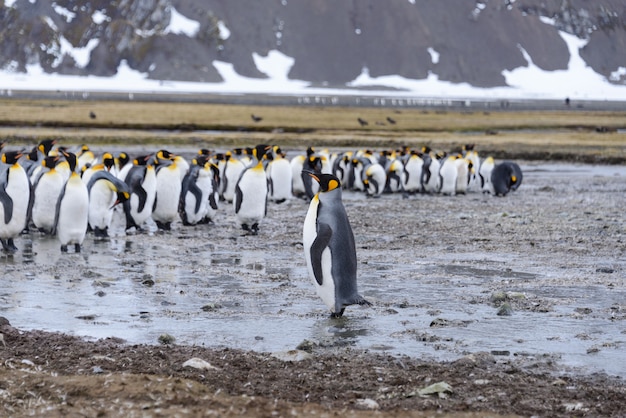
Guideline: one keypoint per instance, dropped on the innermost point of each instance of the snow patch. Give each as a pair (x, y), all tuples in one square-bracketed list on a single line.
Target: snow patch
[(99, 17), (618, 74), (434, 55), (181, 25), (62, 11), (224, 31)]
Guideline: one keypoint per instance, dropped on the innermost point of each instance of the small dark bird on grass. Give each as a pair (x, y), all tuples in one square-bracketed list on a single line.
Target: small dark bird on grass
[(256, 118), (391, 120), (363, 122), (92, 115)]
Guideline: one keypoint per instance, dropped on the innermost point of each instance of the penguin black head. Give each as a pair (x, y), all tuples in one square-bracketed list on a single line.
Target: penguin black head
[(259, 151), (46, 145), (108, 160), (71, 159), (143, 160), (50, 162), (122, 159), (33, 155), (327, 182), (11, 157), (204, 151), (122, 196)]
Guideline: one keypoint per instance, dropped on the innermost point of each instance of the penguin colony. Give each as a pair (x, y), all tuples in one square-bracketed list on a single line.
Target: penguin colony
[(69, 194)]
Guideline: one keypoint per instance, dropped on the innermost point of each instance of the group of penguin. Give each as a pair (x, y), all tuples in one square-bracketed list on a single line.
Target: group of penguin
[(412, 171), (67, 194)]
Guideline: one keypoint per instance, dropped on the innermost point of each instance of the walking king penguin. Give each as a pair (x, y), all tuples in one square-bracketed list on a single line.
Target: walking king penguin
[(15, 198), (251, 193), (72, 210), (329, 247), (105, 192)]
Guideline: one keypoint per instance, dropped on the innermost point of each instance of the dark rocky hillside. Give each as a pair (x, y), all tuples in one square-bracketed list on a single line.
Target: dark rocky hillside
[(331, 41)]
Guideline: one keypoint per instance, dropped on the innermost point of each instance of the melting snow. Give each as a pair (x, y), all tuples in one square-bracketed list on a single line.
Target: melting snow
[(181, 25), (99, 17)]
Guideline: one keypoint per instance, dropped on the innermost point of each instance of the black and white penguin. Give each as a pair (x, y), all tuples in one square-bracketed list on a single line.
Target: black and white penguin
[(413, 166), (14, 200), (46, 190), (141, 180), (278, 171), (484, 174), (329, 247), (105, 192), (505, 176), (233, 167), (72, 210), (199, 195), (374, 179), (448, 173), (168, 188), (250, 200)]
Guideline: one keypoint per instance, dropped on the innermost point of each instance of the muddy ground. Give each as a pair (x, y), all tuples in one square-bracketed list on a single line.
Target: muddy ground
[(564, 228)]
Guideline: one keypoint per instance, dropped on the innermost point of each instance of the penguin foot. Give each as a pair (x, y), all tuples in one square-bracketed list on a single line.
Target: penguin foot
[(101, 232), (164, 226), (63, 248), (77, 248), (255, 228), (337, 314), (8, 246)]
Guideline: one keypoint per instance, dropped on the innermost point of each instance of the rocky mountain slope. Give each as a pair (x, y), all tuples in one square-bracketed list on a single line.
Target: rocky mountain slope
[(331, 42)]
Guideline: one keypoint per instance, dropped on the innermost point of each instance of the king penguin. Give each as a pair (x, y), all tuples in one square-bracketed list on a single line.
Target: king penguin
[(329, 247), (72, 210), (505, 177), (47, 188), (105, 192), (168, 188), (141, 180), (250, 200), (199, 195), (15, 198), (279, 176)]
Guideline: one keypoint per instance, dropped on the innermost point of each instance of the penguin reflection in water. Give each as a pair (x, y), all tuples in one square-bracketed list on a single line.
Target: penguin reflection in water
[(329, 247)]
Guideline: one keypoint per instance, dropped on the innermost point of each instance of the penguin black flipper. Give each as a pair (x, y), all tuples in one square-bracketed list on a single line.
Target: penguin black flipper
[(239, 198), (57, 210), (7, 205), (324, 234)]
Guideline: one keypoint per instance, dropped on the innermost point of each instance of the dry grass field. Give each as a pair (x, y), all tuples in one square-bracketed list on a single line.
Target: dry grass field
[(567, 134)]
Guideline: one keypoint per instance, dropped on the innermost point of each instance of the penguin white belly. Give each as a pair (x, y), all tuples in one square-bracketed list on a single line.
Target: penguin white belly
[(279, 173), (253, 186), (101, 199), (46, 197), (297, 185), (73, 213), (462, 177), (413, 176), (448, 174), (232, 172), (18, 189), (485, 173), (168, 187), (326, 291)]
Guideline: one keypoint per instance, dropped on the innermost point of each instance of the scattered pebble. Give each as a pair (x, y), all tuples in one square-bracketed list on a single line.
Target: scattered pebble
[(198, 363), (166, 339), (366, 403), (505, 309)]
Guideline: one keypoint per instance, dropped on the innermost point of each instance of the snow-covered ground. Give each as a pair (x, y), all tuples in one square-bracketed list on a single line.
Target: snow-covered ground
[(578, 82)]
